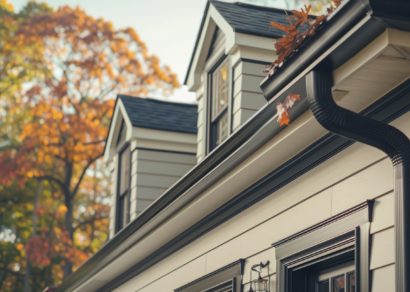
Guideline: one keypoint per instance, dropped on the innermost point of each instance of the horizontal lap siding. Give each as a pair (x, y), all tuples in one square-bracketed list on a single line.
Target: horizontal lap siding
[(152, 173), (247, 95), (356, 174)]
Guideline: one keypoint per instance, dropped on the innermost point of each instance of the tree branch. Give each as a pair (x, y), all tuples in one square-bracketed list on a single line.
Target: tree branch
[(90, 221), (93, 142), (82, 175), (51, 178), (11, 271)]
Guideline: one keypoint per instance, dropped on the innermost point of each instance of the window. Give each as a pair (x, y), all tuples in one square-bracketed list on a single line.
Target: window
[(124, 164), (329, 274), (226, 279), (219, 128), (331, 256)]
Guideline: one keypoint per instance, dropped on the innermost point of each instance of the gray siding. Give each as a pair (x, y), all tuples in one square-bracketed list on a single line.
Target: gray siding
[(247, 95), (152, 173)]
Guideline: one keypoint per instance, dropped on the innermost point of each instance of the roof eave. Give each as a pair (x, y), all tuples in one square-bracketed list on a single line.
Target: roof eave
[(351, 27)]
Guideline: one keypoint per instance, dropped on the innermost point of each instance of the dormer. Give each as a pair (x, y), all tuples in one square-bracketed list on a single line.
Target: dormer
[(150, 145), (233, 47)]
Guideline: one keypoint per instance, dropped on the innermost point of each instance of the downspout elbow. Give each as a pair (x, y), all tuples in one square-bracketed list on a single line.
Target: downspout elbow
[(351, 125), (382, 136)]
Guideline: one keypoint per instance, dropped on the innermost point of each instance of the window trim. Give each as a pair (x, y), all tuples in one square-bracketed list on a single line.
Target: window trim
[(118, 216), (329, 234), (229, 275), (211, 121)]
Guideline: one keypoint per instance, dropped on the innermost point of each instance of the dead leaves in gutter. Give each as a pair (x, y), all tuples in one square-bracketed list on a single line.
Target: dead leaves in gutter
[(293, 38)]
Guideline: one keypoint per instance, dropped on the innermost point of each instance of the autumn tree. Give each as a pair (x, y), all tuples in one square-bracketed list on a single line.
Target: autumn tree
[(84, 63)]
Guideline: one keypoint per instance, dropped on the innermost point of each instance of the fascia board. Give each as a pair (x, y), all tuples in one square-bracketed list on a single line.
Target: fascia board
[(119, 114), (194, 77), (127, 121), (253, 41), (255, 54), (165, 136), (212, 20)]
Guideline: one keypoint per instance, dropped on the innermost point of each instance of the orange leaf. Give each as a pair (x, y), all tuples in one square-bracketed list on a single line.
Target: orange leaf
[(62, 208), (283, 109)]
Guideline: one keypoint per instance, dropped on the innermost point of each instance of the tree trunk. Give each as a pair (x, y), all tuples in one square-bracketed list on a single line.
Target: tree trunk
[(26, 284), (68, 199)]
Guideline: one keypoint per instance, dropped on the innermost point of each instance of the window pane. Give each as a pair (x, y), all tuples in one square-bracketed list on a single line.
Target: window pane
[(338, 284), (323, 286), (120, 212), (125, 170), (222, 129), (352, 284), (220, 84), (126, 208)]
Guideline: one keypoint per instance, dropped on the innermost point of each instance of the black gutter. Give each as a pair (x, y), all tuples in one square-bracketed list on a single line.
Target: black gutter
[(376, 15), (384, 137), (343, 19)]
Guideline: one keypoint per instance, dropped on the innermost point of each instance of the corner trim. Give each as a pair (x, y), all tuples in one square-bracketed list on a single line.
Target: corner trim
[(160, 150)]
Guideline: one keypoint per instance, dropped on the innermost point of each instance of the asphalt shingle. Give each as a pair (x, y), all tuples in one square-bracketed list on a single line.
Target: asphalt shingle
[(253, 19), (161, 115)]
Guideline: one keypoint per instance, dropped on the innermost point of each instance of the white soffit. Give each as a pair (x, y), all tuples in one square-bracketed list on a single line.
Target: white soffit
[(374, 71)]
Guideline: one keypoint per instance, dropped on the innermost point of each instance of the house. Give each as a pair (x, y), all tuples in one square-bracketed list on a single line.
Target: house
[(319, 205)]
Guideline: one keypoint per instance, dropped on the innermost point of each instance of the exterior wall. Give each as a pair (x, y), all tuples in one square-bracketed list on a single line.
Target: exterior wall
[(247, 94), (356, 174), (152, 173)]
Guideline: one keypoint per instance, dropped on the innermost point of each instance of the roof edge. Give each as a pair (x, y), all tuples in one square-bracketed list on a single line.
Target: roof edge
[(201, 26)]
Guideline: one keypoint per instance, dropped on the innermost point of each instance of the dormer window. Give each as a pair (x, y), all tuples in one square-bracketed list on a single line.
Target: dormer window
[(219, 128), (123, 211)]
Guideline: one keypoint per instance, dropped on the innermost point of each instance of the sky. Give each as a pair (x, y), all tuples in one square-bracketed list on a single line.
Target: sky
[(168, 27)]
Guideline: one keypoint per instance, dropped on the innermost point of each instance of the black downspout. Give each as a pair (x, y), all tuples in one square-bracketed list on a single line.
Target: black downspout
[(382, 136)]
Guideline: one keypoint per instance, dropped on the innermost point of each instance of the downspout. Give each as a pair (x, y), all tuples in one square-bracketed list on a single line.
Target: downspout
[(382, 136)]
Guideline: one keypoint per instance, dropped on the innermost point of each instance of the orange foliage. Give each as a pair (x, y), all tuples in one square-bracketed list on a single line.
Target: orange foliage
[(84, 63), (288, 44), (41, 248), (87, 62), (283, 109)]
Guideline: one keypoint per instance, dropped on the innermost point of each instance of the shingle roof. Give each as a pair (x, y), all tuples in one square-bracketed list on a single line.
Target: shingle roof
[(247, 19), (161, 115), (252, 19)]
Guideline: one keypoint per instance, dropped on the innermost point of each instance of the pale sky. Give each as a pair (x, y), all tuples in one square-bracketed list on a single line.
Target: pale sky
[(168, 27)]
